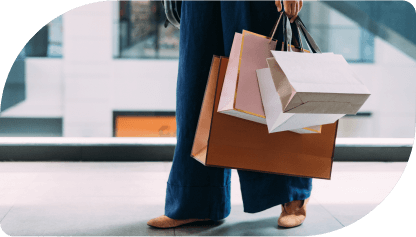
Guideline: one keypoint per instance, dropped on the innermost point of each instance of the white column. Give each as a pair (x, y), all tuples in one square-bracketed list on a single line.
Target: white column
[(87, 70)]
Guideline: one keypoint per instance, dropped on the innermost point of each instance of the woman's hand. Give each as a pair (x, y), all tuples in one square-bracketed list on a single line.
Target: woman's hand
[(292, 8)]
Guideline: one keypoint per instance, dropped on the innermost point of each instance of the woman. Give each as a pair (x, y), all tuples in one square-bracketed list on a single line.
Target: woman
[(196, 192)]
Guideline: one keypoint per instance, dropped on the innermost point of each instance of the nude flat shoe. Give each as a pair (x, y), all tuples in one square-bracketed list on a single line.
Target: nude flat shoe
[(165, 222), (293, 213)]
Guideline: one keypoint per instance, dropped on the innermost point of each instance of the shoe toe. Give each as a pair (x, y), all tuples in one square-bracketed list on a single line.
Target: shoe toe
[(290, 221), (159, 222), (166, 222)]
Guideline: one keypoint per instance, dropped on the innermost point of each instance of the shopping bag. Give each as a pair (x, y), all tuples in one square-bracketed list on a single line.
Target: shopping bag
[(240, 96), (247, 93), (230, 142), (277, 121), (317, 83)]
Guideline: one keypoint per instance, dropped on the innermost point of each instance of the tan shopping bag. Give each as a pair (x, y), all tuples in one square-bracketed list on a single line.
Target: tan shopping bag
[(226, 141)]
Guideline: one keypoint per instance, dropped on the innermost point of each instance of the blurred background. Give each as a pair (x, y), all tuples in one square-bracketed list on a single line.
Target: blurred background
[(98, 83), (109, 69)]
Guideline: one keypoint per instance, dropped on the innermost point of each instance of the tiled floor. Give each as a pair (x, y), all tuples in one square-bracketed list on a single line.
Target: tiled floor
[(118, 198)]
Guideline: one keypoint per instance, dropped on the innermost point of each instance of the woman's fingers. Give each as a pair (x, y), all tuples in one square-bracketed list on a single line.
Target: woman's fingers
[(296, 11), (288, 8), (292, 8), (278, 5)]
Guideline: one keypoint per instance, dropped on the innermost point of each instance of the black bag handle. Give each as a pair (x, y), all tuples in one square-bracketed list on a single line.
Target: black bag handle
[(287, 29), (310, 41), (176, 5), (287, 34), (171, 11)]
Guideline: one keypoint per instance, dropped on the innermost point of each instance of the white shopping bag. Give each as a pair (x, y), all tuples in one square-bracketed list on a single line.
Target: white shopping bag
[(316, 83), (277, 121)]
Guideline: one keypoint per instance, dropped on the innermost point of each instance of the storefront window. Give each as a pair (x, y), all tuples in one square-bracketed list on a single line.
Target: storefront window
[(143, 34)]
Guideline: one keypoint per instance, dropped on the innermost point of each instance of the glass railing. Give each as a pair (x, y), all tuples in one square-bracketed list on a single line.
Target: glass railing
[(334, 32)]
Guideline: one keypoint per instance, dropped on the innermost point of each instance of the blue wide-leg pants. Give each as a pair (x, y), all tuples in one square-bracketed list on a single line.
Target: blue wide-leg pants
[(194, 190)]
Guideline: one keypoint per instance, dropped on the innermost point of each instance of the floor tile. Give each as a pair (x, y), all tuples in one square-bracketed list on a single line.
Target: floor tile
[(239, 223), (264, 223), (347, 220), (82, 216), (6, 166), (349, 187), (12, 186), (69, 166), (118, 198), (369, 166), (8, 198), (16, 180), (140, 184)]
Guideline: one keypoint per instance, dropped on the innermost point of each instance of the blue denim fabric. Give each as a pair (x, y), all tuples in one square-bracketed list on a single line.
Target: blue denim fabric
[(194, 190)]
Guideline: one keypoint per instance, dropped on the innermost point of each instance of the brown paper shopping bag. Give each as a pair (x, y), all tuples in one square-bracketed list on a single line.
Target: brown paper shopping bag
[(231, 142)]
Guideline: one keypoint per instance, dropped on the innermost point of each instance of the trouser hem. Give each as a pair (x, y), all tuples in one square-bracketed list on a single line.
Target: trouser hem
[(184, 202), (272, 202), (259, 195)]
